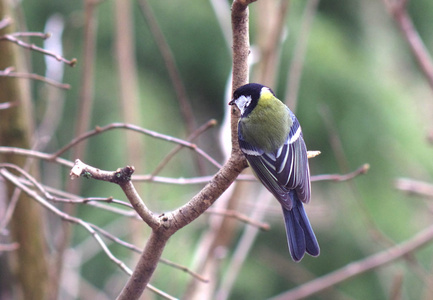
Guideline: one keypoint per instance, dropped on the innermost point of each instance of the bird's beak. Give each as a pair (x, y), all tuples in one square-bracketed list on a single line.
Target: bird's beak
[(232, 102)]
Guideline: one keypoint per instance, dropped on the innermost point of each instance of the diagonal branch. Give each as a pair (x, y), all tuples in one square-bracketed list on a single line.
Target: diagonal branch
[(151, 133), (11, 38), (399, 12), (359, 267)]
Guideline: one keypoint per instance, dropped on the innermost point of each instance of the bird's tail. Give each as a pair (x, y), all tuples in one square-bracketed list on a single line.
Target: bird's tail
[(300, 235)]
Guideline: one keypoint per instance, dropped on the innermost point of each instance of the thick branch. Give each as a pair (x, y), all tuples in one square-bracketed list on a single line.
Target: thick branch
[(241, 50), (122, 177), (145, 267)]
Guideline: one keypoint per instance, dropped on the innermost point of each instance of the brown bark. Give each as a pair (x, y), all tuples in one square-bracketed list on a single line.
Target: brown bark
[(27, 266)]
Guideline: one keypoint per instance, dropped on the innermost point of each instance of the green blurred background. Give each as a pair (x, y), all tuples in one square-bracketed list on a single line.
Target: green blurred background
[(362, 99)]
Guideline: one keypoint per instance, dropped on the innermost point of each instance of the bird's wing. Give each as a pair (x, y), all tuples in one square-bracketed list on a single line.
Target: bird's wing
[(284, 169)]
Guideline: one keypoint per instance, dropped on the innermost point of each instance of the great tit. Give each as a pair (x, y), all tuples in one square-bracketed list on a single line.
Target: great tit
[(271, 139)]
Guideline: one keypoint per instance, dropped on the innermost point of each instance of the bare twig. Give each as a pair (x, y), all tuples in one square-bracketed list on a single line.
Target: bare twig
[(9, 247), (103, 232), (414, 186), (36, 154), (122, 177), (11, 38), (176, 149), (7, 105), (170, 64), (41, 35), (243, 247), (151, 133), (270, 31), (359, 267), (295, 71), (93, 229), (10, 177), (398, 10), (239, 216), (185, 269), (91, 199), (337, 177), (5, 22), (8, 72)]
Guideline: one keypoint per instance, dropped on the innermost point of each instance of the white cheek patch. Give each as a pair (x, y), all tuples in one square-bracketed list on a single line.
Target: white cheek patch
[(243, 102)]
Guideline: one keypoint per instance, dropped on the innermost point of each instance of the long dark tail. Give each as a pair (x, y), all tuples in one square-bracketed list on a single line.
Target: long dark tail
[(300, 235)]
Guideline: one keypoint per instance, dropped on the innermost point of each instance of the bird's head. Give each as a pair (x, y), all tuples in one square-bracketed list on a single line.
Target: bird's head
[(247, 96)]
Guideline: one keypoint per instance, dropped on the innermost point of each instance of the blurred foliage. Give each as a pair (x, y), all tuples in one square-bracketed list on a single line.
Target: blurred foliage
[(360, 86)]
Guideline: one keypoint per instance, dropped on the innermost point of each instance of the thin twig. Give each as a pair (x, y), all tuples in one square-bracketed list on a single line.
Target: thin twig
[(295, 71), (185, 269), (270, 31), (9, 247), (170, 64), (91, 199), (359, 267), (5, 22), (91, 228), (36, 154), (8, 72), (337, 177), (398, 10), (151, 133), (414, 186), (239, 216), (7, 105), (176, 149), (13, 39), (41, 35), (31, 193), (48, 196)]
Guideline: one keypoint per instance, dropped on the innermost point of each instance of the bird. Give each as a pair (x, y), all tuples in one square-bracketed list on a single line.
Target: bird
[(271, 139)]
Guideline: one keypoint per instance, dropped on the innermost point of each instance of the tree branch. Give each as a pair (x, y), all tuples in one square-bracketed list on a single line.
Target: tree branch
[(13, 39), (8, 72), (151, 133), (356, 268), (399, 12)]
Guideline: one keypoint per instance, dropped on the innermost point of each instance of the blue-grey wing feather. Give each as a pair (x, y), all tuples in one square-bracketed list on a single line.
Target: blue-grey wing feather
[(284, 169)]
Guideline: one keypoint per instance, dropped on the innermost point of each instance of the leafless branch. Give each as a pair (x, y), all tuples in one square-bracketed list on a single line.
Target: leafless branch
[(175, 150), (295, 71), (151, 133), (397, 9), (41, 35), (7, 105), (122, 177), (337, 177), (10, 177), (359, 267), (240, 217), (170, 64), (11, 38), (9, 247), (185, 269), (91, 228), (270, 29), (8, 72), (36, 154), (5, 22), (414, 186)]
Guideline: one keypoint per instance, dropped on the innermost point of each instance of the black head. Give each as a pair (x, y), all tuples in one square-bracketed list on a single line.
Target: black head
[(250, 91)]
